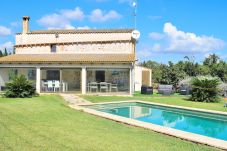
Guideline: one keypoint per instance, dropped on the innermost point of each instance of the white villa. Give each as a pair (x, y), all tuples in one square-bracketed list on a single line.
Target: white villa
[(84, 61)]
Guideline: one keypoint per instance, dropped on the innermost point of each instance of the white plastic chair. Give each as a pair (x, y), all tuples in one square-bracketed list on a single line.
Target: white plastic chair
[(44, 86), (103, 86), (56, 85), (93, 86), (114, 86), (50, 85)]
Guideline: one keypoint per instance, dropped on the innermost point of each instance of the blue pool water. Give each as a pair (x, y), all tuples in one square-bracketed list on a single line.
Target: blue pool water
[(211, 125)]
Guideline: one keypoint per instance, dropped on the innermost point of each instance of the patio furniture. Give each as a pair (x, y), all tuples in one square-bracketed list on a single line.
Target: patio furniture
[(146, 89), (165, 89), (103, 86), (50, 85), (93, 86), (43, 86), (114, 86), (56, 85), (167, 92)]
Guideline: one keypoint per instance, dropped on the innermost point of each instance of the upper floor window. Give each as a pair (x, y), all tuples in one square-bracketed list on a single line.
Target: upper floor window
[(53, 48)]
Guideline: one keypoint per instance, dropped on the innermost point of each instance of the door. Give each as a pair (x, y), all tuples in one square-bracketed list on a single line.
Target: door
[(100, 76)]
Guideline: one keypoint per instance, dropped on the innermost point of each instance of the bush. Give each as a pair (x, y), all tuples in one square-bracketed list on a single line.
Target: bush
[(19, 87), (205, 89)]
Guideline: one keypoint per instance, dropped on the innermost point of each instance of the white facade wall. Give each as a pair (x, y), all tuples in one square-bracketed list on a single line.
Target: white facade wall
[(81, 37), (138, 78), (107, 48)]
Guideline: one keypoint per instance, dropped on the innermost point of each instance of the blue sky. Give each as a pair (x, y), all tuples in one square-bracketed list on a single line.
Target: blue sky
[(170, 29)]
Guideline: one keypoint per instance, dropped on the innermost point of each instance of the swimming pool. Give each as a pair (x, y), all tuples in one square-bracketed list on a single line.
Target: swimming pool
[(202, 123)]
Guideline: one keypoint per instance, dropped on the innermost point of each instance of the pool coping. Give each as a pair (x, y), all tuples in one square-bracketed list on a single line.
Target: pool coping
[(221, 144)]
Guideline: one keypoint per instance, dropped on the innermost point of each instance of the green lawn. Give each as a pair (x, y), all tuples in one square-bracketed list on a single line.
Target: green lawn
[(46, 123), (157, 98)]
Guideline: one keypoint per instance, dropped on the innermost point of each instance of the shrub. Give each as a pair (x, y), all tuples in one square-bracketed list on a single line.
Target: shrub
[(205, 89), (19, 87)]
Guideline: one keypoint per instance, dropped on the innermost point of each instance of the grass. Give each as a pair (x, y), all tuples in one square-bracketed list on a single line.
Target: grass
[(175, 99), (46, 123)]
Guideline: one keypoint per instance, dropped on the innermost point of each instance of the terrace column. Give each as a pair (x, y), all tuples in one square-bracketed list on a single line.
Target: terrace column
[(84, 79), (38, 79)]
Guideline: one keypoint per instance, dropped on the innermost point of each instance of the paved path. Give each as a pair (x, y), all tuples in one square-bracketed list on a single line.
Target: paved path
[(74, 99)]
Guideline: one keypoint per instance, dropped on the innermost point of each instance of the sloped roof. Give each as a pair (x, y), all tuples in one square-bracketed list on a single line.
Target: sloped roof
[(67, 58)]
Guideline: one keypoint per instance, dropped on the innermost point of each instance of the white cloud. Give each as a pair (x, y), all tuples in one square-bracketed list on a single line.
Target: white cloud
[(14, 24), (8, 45), (4, 31), (98, 15), (181, 41), (156, 36), (184, 42), (83, 27), (62, 20), (76, 14)]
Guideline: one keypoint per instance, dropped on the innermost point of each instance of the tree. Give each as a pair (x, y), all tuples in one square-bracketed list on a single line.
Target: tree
[(13, 51), (204, 70), (5, 52), (211, 60), (1, 54), (220, 70), (190, 67), (171, 74)]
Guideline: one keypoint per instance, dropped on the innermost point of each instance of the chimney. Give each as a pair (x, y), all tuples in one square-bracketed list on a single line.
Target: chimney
[(26, 24)]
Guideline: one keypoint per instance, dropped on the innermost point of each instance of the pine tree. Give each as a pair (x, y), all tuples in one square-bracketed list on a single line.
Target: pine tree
[(1, 54), (6, 52), (14, 51)]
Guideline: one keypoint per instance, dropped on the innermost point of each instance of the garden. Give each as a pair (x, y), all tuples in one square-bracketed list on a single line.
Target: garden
[(32, 122)]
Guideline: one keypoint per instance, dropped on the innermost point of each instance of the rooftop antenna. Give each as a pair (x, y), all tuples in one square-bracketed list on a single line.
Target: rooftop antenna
[(134, 4)]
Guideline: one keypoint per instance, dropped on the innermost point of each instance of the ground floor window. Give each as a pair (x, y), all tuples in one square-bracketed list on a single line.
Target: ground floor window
[(32, 74), (12, 73)]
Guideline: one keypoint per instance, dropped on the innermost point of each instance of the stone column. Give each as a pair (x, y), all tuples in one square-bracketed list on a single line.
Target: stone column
[(38, 77), (84, 80)]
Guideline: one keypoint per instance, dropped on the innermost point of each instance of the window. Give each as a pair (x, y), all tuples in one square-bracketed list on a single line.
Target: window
[(12, 73), (53, 75), (31, 74), (53, 48)]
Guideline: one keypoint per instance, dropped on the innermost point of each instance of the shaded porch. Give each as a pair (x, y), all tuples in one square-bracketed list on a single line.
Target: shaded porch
[(78, 79)]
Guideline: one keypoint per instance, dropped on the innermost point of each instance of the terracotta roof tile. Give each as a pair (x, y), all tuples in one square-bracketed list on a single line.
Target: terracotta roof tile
[(67, 58)]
